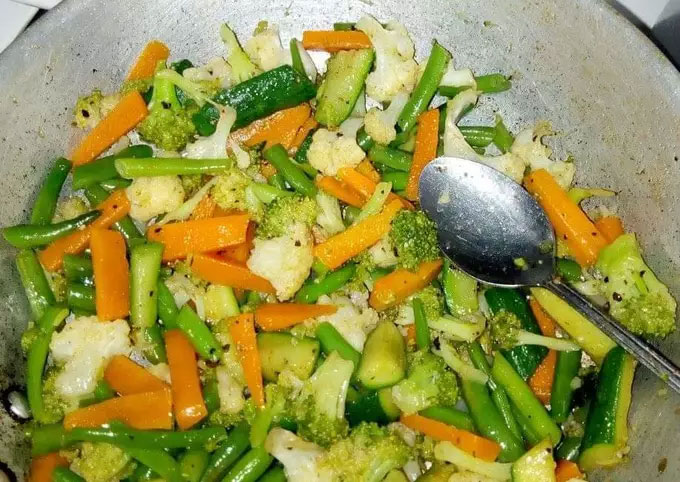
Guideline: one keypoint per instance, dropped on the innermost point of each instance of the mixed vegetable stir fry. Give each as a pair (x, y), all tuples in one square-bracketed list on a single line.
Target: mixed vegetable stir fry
[(241, 286)]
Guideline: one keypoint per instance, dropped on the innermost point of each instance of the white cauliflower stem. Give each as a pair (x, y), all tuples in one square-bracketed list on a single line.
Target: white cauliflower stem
[(300, 459), (264, 47), (352, 322), (151, 196), (215, 145), (230, 391), (379, 124), (329, 151)]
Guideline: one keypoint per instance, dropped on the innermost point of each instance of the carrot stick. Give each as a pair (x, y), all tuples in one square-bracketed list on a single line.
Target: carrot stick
[(200, 236), (473, 444), (333, 41), (111, 274), (145, 65), (309, 125), (542, 380), (566, 470), (411, 334), (395, 287), (145, 411), (341, 191), (42, 467), (228, 272), (242, 330), (240, 252), (366, 168), (113, 209), (545, 322), (279, 128), (129, 112), (427, 138), (277, 316), (336, 250), (611, 227), (365, 186), (204, 209), (570, 222), (126, 377), (187, 397)]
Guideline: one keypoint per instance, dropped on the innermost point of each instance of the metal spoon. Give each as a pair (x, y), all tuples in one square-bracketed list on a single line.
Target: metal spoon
[(487, 223)]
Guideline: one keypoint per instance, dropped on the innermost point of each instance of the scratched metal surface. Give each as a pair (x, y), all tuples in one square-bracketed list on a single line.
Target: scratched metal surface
[(613, 97)]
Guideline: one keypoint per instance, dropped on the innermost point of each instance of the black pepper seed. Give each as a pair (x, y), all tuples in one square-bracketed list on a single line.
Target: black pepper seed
[(616, 296)]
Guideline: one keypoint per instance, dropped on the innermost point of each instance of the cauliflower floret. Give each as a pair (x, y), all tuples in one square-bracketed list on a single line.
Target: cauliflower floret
[(230, 391), (264, 47), (69, 208), (352, 322), (529, 146), (329, 151), (229, 192), (84, 346), (184, 286), (151, 196), (379, 124), (285, 260), (215, 70), (329, 215), (382, 253), (458, 77), (395, 69), (90, 109), (215, 145), (299, 458)]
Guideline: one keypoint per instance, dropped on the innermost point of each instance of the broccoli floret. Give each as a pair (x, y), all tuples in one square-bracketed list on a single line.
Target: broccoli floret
[(242, 68), (191, 183), (283, 212), (101, 462), (55, 404), (636, 297), (429, 382), (230, 190), (28, 337), (433, 301), (320, 407), (90, 109), (229, 420), (140, 85), (414, 236), (506, 332), (367, 455)]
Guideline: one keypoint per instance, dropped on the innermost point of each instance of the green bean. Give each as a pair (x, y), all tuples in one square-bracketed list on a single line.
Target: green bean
[(523, 398), (301, 154), (122, 436), (37, 356), (566, 369), (103, 391), (398, 180), (159, 461), (46, 438), (192, 464), (259, 428), (78, 268), (199, 334), (33, 235), (142, 473), (104, 169), (528, 432), (350, 214), (46, 201), (450, 416), (81, 297), (145, 267), (250, 467), (569, 449), (492, 83), (422, 330), (62, 474), (364, 141), (331, 340), (343, 26), (211, 395), (117, 183), (502, 137), (320, 270), (393, 158), (154, 349), (266, 193), (277, 181), (293, 174), (130, 167), (227, 453), (568, 269), (478, 136), (296, 59), (307, 168), (312, 290), (36, 287), (167, 308), (97, 195), (450, 91)]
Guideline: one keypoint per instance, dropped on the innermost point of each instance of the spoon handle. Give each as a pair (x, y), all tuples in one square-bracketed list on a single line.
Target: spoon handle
[(645, 353)]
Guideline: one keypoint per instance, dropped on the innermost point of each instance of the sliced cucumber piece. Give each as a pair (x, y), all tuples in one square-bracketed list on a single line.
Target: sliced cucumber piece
[(537, 464), (281, 351), (372, 407), (383, 362)]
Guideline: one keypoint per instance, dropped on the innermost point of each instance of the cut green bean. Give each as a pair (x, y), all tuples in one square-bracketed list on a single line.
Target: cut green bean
[(502, 138), (266, 193), (192, 464), (566, 369), (250, 467), (81, 297), (528, 432), (292, 173), (145, 267), (301, 154), (350, 214), (364, 141), (343, 26), (331, 340), (568, 269), (312, 290), (159, 461), (492, 83), (46, 201), (422, 330), (117, 183), (46, 438), (97, 195), (103, 391), (450, 416), (227, 453), (478, 136), (62, 474), (277, 181), (398, 180), (199, 334), (122, 436), (295, 56), (211, 395), (569, 449), (167, 308), (142, 473), (450, 91), (392, 158), (154, 349), (131, 167), (78, 269), (34, 235), (104, 169), (34, 281)]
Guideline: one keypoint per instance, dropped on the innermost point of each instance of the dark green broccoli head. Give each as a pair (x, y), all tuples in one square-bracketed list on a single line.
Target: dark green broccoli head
[(229, 420), (283, 212), (414, 236), (504, 329)]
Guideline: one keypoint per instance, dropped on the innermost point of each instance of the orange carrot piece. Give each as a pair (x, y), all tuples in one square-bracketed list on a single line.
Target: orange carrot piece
[(279, 128), (542, 380), (471, 443), (113, 209), (204, 209), (278, 316), (411, 334), (228, 272), (402, 283), (111, 274), (309, 125), (545, 322), (127, 377), (566, 470), (242, 330), (365, 186), (240, 252), (42, 467), (145, 65), (187, 397), (145, 411), (427, 138), (611, 227), (333, 41), (570, 222), (341, 191), (366, 168), (336, 250), (199, 236), (129, 112)]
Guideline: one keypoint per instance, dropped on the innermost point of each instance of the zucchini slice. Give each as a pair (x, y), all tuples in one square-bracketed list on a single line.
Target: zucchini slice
[(281, 351), (383, 362)]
